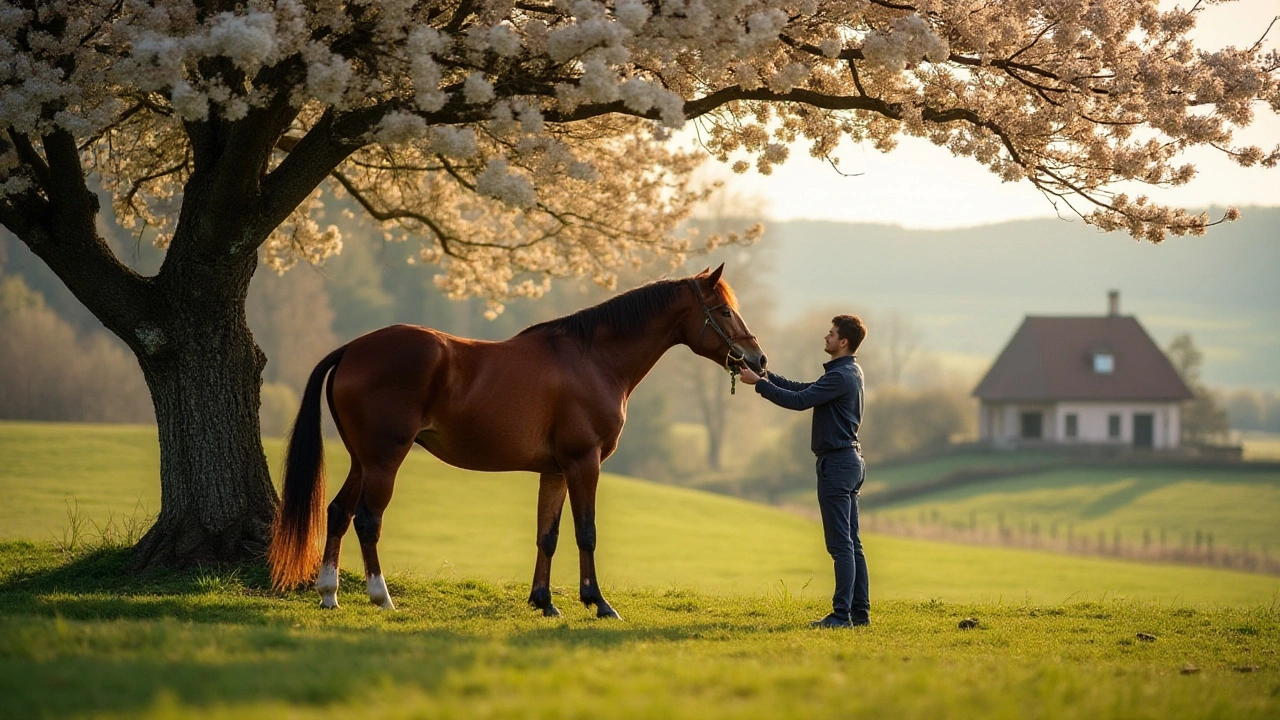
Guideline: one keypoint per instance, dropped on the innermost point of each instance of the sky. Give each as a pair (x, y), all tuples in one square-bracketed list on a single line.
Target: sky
[(919, 185)]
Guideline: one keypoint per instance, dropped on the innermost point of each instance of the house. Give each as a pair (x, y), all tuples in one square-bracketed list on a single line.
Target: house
[(1082, 381)]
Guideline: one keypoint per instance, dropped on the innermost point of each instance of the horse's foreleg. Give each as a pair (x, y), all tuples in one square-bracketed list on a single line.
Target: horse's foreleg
[(340, 512), (551, 493), (582, 499), (368, 522)]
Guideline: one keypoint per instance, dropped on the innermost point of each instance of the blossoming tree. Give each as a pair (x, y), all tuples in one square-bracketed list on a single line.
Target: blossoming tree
[(519, 140)]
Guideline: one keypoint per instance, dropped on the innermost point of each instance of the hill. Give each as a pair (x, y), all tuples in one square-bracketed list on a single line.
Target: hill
[(446, 523), (1232, 507), (969, 288)]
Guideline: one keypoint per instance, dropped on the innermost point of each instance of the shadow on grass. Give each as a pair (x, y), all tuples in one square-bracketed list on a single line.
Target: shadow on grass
[(258, 667), (100, 584), (82, 636)]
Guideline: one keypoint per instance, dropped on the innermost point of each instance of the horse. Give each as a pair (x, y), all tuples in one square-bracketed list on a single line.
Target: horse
[(551, 400)]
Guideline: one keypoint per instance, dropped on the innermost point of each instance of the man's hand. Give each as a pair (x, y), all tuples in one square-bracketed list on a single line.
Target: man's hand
[(749, 376)]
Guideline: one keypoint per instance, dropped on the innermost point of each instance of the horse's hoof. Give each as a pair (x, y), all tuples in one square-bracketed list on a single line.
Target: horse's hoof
[(378, 594), (550, 611), (607, 612)]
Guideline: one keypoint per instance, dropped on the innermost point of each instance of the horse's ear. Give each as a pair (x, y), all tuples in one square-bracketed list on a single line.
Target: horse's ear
[(715, 275)]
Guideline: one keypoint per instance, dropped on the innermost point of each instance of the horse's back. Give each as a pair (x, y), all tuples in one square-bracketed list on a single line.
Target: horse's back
[(475, 404)]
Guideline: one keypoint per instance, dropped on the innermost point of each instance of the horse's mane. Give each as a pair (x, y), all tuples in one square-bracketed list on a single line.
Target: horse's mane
[(625, 314)]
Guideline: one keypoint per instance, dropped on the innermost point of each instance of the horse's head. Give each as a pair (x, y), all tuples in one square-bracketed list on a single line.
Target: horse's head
[(715, 330)]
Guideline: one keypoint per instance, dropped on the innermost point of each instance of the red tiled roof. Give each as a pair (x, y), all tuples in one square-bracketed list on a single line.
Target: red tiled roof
[(1051, 358)]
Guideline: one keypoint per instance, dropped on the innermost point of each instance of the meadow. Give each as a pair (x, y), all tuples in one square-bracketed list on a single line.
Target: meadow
[(1177, 507), (715, 594), (447, 523)]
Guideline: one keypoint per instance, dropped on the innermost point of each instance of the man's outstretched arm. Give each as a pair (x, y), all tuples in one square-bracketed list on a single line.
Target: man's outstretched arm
[(825, 388)]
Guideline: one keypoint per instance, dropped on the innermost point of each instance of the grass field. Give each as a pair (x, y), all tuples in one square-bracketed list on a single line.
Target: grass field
[(715, 593), (80, 638), (1238, 507), (894, 475), (1261, 446), (446, 523)]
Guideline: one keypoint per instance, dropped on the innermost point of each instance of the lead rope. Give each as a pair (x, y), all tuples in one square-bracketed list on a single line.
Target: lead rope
[(733, 371)]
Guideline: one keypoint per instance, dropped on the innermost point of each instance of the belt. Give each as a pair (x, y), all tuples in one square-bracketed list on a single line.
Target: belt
[(855, 446)]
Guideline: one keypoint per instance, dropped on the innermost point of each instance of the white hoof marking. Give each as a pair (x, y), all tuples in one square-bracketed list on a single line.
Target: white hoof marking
[(378, 594), (327, 585)]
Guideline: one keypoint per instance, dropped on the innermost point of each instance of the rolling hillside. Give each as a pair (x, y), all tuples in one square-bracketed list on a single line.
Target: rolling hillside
[(969, 288), (448, 523), (1238, 507)]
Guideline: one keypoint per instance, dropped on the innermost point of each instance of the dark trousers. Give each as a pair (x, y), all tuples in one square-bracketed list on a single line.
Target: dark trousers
[(840, 477)]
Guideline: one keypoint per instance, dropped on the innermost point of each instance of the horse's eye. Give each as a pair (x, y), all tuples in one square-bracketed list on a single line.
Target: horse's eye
[(727, 313)]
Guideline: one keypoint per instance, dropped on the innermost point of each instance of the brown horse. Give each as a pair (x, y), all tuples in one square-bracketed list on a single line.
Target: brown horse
[(551, 400)]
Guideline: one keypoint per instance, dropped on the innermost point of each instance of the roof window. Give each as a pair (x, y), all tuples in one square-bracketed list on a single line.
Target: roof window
[(1104, 363)]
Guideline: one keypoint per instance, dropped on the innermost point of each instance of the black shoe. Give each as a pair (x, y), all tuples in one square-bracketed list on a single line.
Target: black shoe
[(860, 619), (831, 621)]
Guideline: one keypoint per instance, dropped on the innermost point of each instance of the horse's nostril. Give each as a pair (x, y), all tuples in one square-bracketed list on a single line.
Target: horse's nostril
[(763, 361)]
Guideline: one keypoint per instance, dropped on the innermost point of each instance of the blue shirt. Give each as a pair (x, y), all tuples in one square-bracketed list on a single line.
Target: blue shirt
[(836, 399)]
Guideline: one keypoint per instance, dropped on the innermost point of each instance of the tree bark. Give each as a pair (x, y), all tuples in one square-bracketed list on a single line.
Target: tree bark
[(216, 497)]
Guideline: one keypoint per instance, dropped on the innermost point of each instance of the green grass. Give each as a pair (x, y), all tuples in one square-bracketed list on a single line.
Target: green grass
[(1261, 446), (1238, 507), (447, 523), (898, 474), (715, 593), (80, 638)]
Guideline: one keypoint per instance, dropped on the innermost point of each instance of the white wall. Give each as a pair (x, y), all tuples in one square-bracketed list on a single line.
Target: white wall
[(1000, 423)]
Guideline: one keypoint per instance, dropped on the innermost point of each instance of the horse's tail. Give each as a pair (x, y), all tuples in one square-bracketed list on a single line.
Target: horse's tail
[(293, 556)]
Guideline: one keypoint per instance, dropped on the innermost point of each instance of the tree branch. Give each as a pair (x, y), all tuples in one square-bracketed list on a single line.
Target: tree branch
[(28, 155), (60, 229)]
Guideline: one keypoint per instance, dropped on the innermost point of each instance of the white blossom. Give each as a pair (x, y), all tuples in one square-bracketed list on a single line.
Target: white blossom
[(477, 90), (328, 77), (191, 104), (1117, 91), (633, 14), (504, 41), (400, 127), (426, 75), (247, 40), (599, 82), (426, 40)]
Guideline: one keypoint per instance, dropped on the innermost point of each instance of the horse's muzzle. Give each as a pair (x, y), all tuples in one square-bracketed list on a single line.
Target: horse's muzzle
[(754, 361)]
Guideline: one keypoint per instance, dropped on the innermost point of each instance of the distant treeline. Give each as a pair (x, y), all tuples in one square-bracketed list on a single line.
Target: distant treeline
[(1252, 410), (59, 363)]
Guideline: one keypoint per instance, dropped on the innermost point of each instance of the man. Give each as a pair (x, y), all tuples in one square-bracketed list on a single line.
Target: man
[(836, 399)]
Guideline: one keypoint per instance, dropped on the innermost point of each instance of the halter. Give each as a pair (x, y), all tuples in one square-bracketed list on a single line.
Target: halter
[(728, 341)]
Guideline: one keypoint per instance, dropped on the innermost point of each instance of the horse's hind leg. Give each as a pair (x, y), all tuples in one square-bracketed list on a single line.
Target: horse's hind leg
[(368, 521), (583, 479), (551, 494), (341, 510)]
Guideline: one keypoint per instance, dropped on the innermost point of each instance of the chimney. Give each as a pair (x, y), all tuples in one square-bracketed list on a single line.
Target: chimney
[(1113, 303)]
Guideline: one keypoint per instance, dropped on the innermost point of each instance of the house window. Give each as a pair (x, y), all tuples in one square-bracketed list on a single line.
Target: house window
[(1032, 426), (1113, 426), (1073, 425), (1104, 363)]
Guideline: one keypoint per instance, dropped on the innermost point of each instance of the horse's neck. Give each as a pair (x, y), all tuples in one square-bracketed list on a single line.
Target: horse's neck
[(631, 358)]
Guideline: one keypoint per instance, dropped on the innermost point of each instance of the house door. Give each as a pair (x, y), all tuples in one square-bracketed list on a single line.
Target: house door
[(1144, 430), (1032, 426)]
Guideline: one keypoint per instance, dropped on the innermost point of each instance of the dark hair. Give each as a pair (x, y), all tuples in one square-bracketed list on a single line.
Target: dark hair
[(625, 314), (850, 328)]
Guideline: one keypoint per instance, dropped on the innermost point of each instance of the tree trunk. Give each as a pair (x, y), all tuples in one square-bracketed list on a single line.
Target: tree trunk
[(216, 497)]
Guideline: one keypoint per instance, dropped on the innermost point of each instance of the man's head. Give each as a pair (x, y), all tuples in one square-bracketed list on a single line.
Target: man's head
[(846, 334)]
